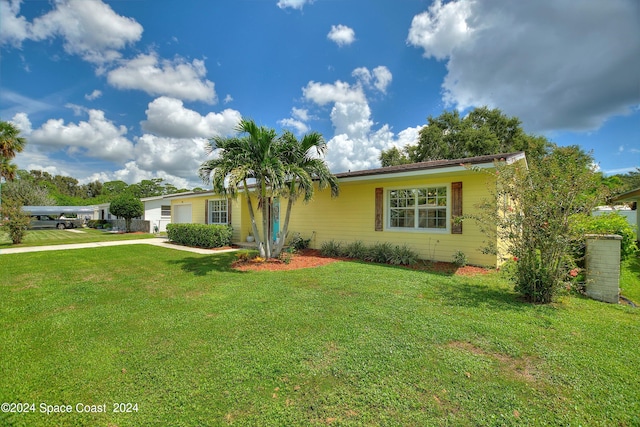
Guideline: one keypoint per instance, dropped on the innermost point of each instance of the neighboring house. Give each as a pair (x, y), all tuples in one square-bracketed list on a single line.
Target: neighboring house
[(101, 211), (157, 210), (633, 197), (412, 204)]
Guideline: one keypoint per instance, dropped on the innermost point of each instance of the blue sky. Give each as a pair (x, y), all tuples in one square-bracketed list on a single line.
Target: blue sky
[(132, 89)]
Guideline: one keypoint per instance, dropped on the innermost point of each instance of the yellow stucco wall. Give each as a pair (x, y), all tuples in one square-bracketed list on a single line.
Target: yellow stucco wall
[(351, 217)]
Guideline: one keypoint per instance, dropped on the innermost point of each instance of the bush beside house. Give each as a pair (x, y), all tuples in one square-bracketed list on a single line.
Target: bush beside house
[(200, 235)]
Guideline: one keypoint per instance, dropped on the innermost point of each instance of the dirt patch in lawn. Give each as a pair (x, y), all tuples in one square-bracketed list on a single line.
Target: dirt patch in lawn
[(523, 368), (309, 258)]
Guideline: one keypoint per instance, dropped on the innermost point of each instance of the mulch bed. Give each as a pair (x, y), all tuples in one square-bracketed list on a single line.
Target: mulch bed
[(309, 258)]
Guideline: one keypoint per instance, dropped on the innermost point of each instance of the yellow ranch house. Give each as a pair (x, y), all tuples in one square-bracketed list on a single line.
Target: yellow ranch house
[(414, 204)]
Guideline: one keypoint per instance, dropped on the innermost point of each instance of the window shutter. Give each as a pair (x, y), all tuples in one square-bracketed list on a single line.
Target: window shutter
[(456, 207), (229, 211), (206, 211), (379, 209)]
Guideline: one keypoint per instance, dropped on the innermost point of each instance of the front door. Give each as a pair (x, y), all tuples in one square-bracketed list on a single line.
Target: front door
[(275, 218)]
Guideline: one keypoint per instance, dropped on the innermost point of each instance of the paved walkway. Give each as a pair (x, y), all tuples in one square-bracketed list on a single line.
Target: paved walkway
[(157, 241)]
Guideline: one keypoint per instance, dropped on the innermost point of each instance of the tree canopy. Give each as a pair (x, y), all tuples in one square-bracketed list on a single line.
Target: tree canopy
[(127, 206), (483, 131), (10, 144)]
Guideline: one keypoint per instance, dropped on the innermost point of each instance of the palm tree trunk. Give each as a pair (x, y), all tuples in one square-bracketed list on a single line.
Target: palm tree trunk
[(266, 230), (285, 227), (254, 226)]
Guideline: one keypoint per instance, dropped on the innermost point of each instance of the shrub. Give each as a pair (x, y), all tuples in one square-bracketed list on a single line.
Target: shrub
[(246, 255), (200, 235), (384, 253), (14, 221), (460, 259), (402, 255), (611, 223), (379, 252), (356, 250), (298, 243), (331, 248), (529, 215)]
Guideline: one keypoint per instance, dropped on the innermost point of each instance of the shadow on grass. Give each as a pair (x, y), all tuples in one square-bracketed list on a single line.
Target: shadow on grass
[(203, 265), (479, 295), (634, 266)]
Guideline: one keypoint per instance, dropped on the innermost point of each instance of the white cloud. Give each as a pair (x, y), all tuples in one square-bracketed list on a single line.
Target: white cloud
[(324, 93), (21, 120), (298, 126), (177, 78), (555, 64), (90, 29), (168, 117), (93, 95), (356, 145), (442, 28), (97, 137), (174, 156), (341, 35), (131, 174), (13, 28), (293, 4), (228, 99), (300, 114), (380, 78)]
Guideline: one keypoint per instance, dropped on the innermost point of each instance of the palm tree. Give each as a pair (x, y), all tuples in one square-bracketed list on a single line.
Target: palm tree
[(253, 156), (259, 163), (304, 163), (10, 142)]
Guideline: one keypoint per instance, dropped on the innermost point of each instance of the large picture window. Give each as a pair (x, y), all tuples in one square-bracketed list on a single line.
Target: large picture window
[(218, 211), (418, 208)]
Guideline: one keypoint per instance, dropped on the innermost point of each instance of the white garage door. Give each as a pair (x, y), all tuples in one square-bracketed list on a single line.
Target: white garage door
[(182, 214)]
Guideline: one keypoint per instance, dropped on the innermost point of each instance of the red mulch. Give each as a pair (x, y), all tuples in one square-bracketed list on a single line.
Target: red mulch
[(311, 258)]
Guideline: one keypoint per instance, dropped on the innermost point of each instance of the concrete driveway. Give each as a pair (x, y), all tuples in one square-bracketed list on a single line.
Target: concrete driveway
[(157, 241)]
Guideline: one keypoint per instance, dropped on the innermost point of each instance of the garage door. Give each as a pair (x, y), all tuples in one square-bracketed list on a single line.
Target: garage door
[(182, 214)]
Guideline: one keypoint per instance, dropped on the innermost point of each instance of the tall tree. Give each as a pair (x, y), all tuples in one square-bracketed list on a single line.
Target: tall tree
[(252, 155), (127, 206), (481, 132), (261, 165), (27, 192), (304, 163), (10, 144)]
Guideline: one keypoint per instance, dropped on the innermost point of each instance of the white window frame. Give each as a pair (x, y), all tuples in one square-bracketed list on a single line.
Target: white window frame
[(415, 228), (219, 211), (165, 210)]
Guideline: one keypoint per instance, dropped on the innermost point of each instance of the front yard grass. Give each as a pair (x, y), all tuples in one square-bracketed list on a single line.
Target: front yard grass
[(63, 237), (193, 342)]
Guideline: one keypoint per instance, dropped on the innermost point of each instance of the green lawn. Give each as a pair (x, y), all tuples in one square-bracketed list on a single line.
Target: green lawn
[(194, 343), (630, 279), (62, 237)]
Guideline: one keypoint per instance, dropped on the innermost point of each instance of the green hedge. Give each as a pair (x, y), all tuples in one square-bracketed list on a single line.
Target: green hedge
[(200, 235), (610, 223)]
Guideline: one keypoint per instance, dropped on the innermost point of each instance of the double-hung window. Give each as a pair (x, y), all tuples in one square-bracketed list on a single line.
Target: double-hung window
[(423, 208), (165, 210), (218, 211)]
